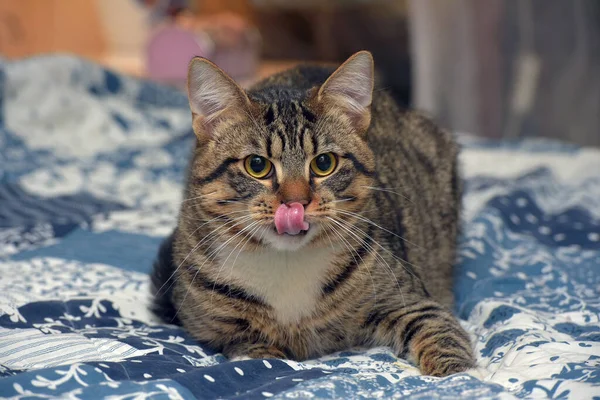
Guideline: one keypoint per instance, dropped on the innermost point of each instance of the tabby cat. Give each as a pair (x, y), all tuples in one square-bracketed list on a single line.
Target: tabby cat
[(317, 217)]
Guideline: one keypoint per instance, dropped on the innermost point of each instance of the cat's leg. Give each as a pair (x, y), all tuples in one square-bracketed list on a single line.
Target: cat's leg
[(243, 351), (426, 333)]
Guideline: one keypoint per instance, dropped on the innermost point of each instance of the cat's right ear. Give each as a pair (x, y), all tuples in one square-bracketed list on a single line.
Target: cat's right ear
[(350, 89), (213, 96)]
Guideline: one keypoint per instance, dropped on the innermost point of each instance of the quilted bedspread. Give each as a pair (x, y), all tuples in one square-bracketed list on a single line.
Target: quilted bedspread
[(91, 171)]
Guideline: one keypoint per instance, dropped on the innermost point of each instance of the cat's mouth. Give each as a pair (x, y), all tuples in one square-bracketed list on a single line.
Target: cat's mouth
[(289, 242), (290, 230), (301, 233)]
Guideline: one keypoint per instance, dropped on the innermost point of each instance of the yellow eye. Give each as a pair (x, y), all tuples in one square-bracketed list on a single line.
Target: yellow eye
[(323, 164), (257, 167)]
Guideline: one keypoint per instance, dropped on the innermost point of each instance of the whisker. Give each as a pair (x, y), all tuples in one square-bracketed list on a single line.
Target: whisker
[(352, 252), (328, 237), (236, 246), (399, 259), (389, 191), (199, 197), (199, 217), (250, 236), (247, 239), (217, 218), (208, 258), (347, 244), (233, 201), (365, 219), (370, 248), (216, 252), (342, 200), (240, 219)]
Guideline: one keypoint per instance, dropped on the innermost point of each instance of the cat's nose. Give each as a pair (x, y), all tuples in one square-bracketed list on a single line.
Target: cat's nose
[(295, 192)]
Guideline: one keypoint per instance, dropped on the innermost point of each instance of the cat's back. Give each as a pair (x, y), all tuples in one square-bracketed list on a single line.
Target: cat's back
[(417, 190)]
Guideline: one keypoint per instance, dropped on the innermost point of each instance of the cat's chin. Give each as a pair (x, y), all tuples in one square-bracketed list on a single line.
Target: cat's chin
[(287, 242)]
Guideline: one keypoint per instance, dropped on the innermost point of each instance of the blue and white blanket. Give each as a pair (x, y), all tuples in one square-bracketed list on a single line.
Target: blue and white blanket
[(91, 170)]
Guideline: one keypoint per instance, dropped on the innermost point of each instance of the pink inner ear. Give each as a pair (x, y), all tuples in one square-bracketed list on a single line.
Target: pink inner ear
[(363, 99), (364, 93), (211, 91), (352, 82)]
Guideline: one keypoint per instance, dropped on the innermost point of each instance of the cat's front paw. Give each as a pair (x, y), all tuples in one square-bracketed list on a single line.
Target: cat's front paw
[(443, 366), (439, 360)]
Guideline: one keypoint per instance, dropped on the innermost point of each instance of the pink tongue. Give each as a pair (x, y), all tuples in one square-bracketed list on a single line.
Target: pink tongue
[(290, 219)]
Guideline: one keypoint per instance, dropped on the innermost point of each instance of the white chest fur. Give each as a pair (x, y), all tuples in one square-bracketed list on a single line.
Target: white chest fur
[(290, 281)]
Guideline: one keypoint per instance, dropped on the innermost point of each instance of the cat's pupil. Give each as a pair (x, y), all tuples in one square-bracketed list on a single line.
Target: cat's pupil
[(323, 162), (258, 164)]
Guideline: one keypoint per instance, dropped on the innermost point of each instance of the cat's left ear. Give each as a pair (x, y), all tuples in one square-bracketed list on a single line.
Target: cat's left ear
[(213, 97), (350, 89)]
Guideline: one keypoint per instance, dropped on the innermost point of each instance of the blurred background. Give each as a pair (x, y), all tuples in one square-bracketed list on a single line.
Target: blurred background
[(494, 68)]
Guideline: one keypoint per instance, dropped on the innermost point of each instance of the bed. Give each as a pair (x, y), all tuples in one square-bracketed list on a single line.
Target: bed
[(91, 171)]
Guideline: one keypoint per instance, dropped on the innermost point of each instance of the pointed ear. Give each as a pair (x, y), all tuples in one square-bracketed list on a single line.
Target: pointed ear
[(213, 95), (350, 89)]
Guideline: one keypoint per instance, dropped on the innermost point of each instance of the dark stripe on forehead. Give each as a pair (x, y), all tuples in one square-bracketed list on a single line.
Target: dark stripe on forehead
[(315, 143), (217, 172), (269, 145), (282, 137), (290, 127), (301, 138), (308, 114), (296, 107), (269, 115), (360, 167)]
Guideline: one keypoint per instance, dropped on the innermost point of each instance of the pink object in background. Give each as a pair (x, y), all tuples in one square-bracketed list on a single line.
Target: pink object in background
[(239, 58), (170, 50), (172, 46)]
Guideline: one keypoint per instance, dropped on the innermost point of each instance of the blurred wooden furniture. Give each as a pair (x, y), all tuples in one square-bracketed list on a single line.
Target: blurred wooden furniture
[(29, 27), (33, 27)]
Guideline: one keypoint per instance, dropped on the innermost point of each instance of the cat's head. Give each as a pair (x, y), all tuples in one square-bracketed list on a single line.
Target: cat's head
[(283, 166)]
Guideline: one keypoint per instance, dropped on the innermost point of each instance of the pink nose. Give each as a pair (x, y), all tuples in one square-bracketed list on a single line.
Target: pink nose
[(295, 191)]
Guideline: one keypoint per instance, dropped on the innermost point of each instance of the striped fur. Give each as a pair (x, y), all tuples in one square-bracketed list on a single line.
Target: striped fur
[(375, 268)]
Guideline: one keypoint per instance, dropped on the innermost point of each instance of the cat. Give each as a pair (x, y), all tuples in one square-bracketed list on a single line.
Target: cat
[(317, 217)]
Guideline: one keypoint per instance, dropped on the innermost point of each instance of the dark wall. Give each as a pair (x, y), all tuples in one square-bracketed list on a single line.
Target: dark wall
[(333, 33)]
